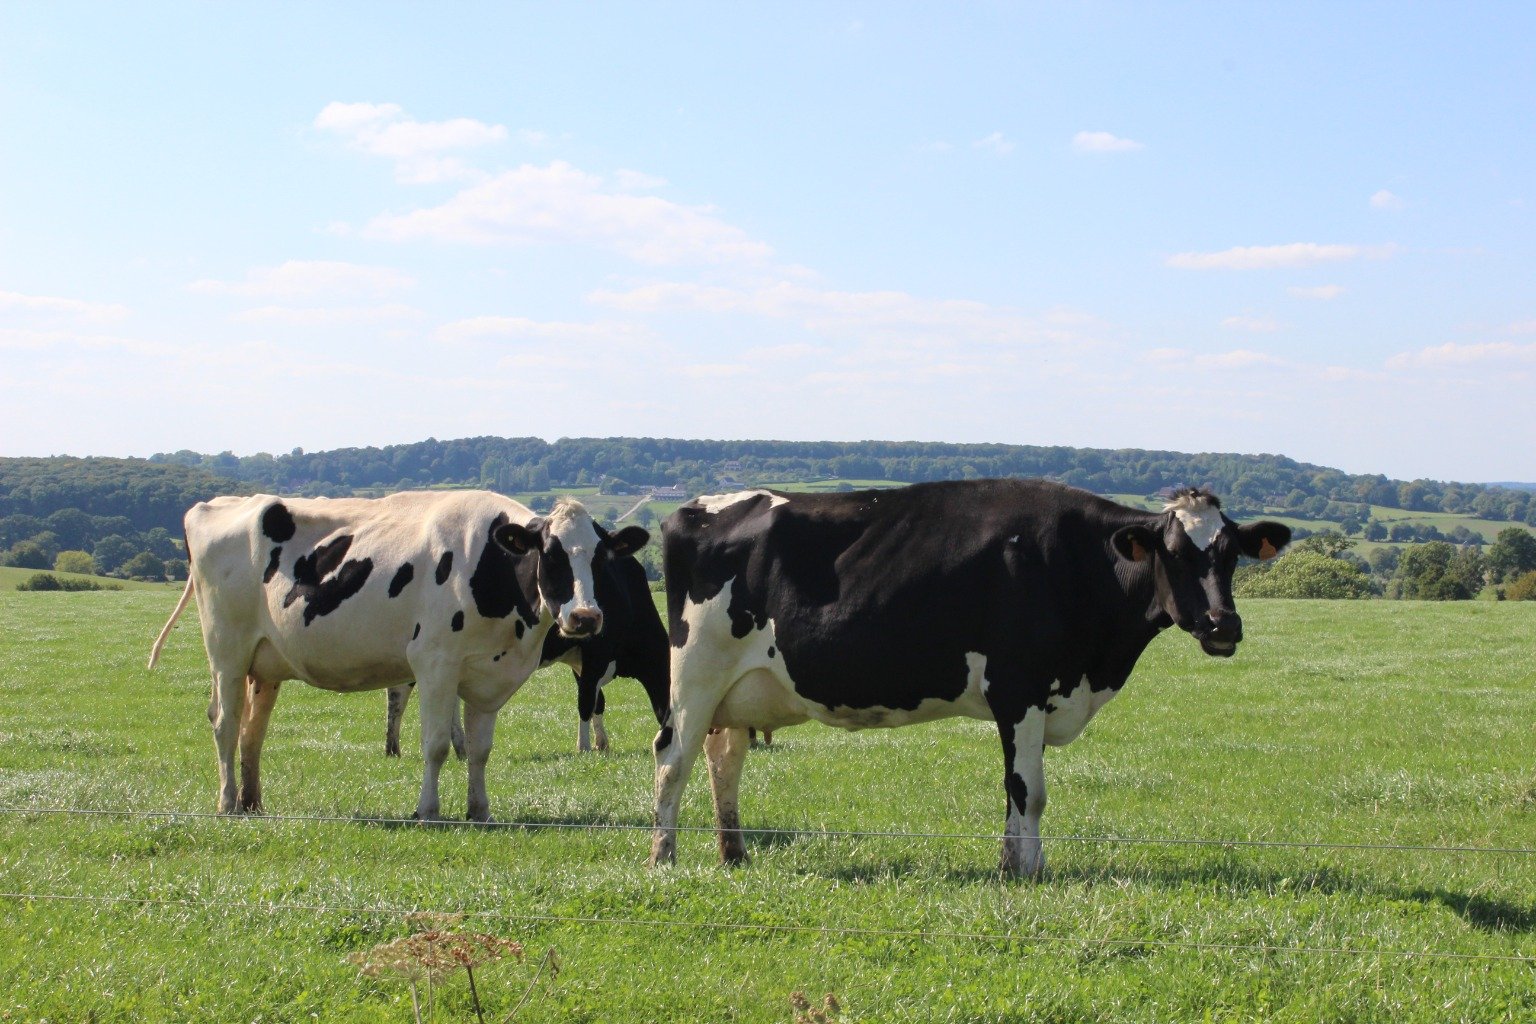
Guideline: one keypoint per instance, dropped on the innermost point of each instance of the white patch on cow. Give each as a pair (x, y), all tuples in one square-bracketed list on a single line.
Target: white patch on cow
[(1201, 522), (714, 503), (570, 523), (1070, 708), (976, 672)]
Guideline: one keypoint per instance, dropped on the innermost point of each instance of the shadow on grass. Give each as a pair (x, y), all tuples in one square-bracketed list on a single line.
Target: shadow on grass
[(524, 822)]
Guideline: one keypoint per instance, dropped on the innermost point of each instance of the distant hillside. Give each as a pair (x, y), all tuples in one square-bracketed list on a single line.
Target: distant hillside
[(526, 464), (80, 500)]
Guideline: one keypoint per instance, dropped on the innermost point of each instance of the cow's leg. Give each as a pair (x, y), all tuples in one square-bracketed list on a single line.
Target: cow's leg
[(677, 745), (725, 750), (479, 727), (456, 734), (399, 697), (599, 734), (437, 701), (260, 698), (586, 703), (1024, 780), (225, 710)]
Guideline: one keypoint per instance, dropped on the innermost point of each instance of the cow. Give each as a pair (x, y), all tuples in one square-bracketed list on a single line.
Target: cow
[(633, 643), (457, 590), (1025, 603)]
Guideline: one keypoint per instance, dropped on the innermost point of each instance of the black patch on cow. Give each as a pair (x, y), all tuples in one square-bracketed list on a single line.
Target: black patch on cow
[(277, 523), (497, 657), (770, 652), (403, 576), (557, 582), (271, 570), (413, 637), (444, 567), (324, 581), (520, 628), (458, 620), (501, 581), (663, 739)]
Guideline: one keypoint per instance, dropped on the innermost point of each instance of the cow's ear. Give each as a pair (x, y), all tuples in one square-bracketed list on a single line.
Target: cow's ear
[(1134, 543), (1263, 540), (627, 541), (521, 539)]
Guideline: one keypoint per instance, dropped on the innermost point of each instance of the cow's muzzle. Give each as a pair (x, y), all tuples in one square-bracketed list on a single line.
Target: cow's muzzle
[(1219, 633), (582, 623)]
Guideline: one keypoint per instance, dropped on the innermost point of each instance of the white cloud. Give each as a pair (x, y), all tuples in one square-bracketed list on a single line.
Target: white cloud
[(523, 328), (303, 279), (1265, 257), (1238, 359), (637, 181), (1384, 200), (715, 371), (1322, 292), (1103, 142), (560, 204), (329, 317), (53, 307), (1253, 324), (416, 147), (994, 143), (886, 315), (1453, 354)]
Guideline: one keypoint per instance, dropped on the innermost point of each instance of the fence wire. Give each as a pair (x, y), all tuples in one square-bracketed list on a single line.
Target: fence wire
[(599, 826), (794, 929)]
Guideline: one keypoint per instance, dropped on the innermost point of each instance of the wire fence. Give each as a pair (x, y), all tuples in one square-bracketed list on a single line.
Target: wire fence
[(797, 833), (1001, 938)]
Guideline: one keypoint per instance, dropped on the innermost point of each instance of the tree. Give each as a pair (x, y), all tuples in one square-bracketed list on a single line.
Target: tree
[(27, 555), (1376, 530), (1328, 543), (144, 565), (1436, 571), (75, 561), (1522, 587), (111, 552), (176, 569), (1307, 574), (1513, 553)]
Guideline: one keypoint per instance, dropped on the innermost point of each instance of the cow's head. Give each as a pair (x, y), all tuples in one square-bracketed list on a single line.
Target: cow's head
[(571, 548), (1192, 549)]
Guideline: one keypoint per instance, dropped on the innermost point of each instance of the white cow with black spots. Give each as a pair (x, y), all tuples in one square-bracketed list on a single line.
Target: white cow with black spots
[(456, 590)]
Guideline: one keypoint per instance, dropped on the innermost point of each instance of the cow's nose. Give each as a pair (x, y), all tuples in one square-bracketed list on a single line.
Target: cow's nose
[(1225, 625), (584, 622)]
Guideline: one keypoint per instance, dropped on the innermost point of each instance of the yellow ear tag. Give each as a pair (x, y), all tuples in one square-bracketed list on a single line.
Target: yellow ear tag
[(1266, 550)]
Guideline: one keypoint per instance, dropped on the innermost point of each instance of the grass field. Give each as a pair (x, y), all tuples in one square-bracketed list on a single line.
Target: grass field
[(1337, 723)]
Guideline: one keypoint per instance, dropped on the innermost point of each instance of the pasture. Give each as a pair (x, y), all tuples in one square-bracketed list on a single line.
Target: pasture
[(1381, 726)]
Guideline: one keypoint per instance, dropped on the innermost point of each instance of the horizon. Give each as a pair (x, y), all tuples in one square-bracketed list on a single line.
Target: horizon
[(1299, 231)]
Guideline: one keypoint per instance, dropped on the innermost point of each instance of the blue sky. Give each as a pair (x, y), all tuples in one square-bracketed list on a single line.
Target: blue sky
[(1303, 229)]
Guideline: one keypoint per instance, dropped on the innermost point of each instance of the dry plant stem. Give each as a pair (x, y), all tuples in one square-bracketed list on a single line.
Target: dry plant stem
[(415, 1002), (547, 954), (474, 994)]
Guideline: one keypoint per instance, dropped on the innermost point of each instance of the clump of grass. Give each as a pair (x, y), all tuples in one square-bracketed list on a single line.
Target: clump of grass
[(437, 951), (829, 1012)]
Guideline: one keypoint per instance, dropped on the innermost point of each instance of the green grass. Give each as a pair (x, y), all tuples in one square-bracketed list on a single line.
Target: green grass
[(1370, 722)]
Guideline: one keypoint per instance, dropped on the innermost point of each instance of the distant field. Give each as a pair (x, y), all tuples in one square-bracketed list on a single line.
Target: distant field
[(1393, 723), (9, 577)]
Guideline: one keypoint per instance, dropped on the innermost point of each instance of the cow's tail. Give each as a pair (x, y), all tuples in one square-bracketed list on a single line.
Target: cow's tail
[(154, 653)]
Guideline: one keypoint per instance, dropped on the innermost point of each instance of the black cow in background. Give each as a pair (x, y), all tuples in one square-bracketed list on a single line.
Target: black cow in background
[(1025, 603), (633, 644)]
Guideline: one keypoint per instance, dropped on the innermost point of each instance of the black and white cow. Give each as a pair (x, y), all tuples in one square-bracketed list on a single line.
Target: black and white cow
[(1021, 602), (456, 590), (633, 644)]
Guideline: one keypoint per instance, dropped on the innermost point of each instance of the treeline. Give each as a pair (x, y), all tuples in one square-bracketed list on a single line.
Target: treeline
[(116, 510), (110, 517), (1246, 482)]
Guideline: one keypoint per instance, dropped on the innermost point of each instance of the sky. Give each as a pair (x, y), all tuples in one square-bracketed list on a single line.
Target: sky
[(1302, 229)]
